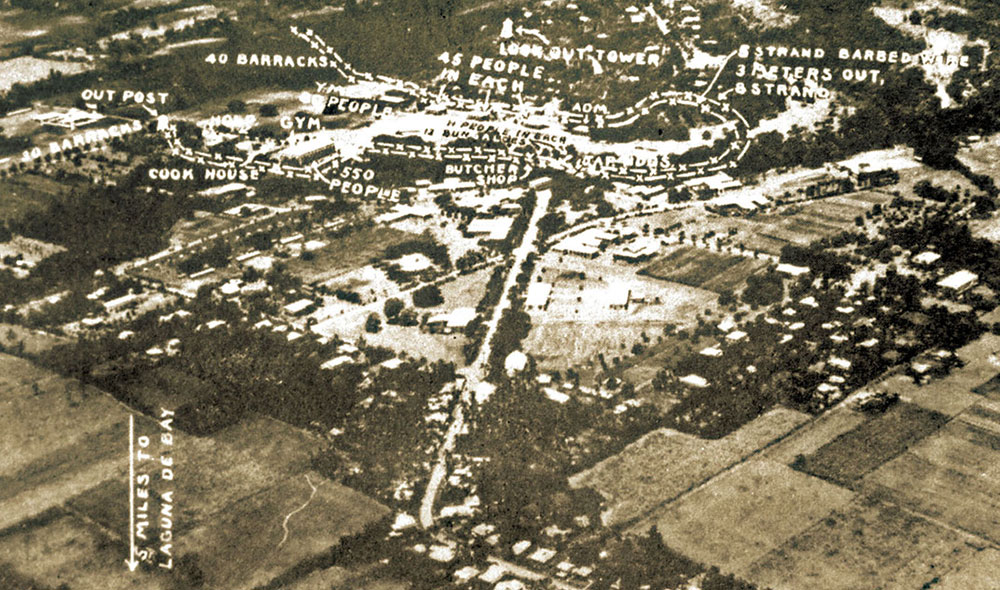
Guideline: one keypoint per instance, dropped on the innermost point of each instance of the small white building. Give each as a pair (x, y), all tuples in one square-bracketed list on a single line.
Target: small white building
[(618, 296), (792, 270), (537, 297), (694, 381), (300, 307), (496, 228), (959, 282), (926, 258)]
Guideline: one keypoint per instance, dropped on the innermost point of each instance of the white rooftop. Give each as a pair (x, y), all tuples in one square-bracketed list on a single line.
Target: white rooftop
[(538, 295), (694, 381), (791, 269), (496, 228), (515, 362), (959, 280), (927, 257)]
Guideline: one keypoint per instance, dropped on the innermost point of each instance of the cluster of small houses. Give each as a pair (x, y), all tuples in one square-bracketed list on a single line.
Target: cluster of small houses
[(836, 368), (516, 566)]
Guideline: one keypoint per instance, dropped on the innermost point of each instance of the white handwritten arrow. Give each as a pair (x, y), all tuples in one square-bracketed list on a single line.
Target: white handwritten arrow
[(131, 561)]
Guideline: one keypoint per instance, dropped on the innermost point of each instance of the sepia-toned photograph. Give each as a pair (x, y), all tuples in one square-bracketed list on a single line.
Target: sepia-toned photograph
[(499, 295)]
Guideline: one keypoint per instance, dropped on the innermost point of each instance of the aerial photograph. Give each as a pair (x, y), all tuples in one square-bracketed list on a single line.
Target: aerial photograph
[(499, 295)]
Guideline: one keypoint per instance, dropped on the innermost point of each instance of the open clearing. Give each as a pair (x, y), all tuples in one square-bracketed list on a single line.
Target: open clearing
[(344, 254), (981, 572), (665, 463), (67, 439), (212, 473), (953, 475), (27, 194), (578, 323), (742, 514), (67, 552), (27, 69), (867, 545), (850, 456), (252, 531)]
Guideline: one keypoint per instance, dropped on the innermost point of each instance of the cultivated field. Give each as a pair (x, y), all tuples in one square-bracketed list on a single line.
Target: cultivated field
[(700, 268), (665, 464), (211, 473), (853, 454), (868, 544), (232, 491), (67, 439), (953, 475), (806, 222), (67, 552), (980, 572), (811, 437), (253, 531), (742, 514)]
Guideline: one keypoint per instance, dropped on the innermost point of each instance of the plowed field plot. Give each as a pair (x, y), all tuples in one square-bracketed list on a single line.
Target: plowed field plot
[(742, 514), (953, 475), (869, 544), (990, 389), (257, 539), (66, 552), (981, 572), (59, 439), (707, 270), (852, 455), (665, 463), (211, 473)]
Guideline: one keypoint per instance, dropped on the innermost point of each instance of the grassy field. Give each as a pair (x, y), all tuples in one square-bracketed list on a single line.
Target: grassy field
[(27, 69), (10, 578), (578, 323), (67, 552), (847, 458), (952, 474), (211, 473), (25, 194), (253, 531), (203, 225), (465, 290), (695, 267), (742, 514), (664, 464), (810, 438), (981, 571), (344, 254), (67, 439), (869, 544)]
